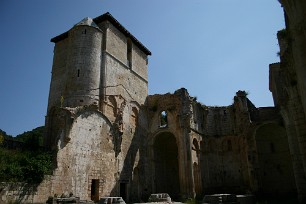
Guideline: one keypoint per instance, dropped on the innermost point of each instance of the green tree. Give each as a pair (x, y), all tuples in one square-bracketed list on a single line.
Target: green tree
[(1, 139)]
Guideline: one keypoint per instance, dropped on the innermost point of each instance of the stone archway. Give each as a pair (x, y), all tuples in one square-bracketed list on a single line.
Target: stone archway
[(166, 165)]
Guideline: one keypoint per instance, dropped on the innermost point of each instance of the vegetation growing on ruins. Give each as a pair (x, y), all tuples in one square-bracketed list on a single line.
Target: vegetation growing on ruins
[(27, 162)]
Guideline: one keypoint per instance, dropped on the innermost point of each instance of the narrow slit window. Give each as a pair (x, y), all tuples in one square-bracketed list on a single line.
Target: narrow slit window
[(78, 73), (129, 53)]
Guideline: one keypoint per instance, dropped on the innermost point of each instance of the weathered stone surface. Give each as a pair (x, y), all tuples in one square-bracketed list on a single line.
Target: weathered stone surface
[(112, 139), (111, 200), (220, 198), (246, 199)]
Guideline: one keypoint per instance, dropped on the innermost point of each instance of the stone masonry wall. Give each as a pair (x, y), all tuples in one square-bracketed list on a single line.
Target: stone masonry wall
[(85, 154), (59, 71), (82, 85), (120, 80)]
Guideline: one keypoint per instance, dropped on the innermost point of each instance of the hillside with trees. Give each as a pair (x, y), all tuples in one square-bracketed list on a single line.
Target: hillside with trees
[(22, 158)]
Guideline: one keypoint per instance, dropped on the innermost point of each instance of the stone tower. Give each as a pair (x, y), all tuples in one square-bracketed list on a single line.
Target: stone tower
[(99, 83), (95, 59), (98, 63)]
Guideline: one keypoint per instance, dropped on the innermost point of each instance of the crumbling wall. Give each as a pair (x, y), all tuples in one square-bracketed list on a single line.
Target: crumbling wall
[(222, 165), (285, 84), (85, 154), (177, 108)]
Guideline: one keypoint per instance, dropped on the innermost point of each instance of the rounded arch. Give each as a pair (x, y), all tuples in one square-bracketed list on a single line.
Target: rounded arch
[(161, 131), (85, 112), (163, 118), (166, 164)]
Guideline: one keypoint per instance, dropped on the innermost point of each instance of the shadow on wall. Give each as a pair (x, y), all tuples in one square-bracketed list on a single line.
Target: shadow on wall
[(128, 184), (17, 192)]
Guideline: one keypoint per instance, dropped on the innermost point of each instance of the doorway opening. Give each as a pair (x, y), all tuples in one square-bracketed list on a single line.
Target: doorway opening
[(123, 191), (166, 165), (95, 190)]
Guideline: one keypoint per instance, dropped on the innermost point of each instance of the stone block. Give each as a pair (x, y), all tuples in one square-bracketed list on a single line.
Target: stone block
[(111, 200), (246, 199), (159, 197), (220, 198)]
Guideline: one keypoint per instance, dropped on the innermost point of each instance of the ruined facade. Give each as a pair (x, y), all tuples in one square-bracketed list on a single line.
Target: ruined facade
[(112, 139)]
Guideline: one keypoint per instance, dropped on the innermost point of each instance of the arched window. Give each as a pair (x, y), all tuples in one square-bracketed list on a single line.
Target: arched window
[(163, 119)]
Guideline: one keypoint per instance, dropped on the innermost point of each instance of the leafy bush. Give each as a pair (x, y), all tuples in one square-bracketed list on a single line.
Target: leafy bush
[(24, 166), (27, 164)]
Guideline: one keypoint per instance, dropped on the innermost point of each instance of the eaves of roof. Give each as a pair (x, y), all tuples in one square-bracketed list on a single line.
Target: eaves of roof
[(108, 17)]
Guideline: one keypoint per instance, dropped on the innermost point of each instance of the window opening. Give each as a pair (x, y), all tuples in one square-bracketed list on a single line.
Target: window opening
[(78, 73), (163, 119), (129, 53), (123, 190)]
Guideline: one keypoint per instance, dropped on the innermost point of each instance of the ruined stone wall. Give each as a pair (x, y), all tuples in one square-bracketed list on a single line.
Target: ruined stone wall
[(295, 15), (220, 148), (176, 107), (287, 91), (222, 165), (274, 160), (85, 152), (293, 66), (13, 192), (213, 121)]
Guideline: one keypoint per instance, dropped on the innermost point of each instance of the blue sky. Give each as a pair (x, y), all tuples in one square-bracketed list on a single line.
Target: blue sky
[(211, 47)]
